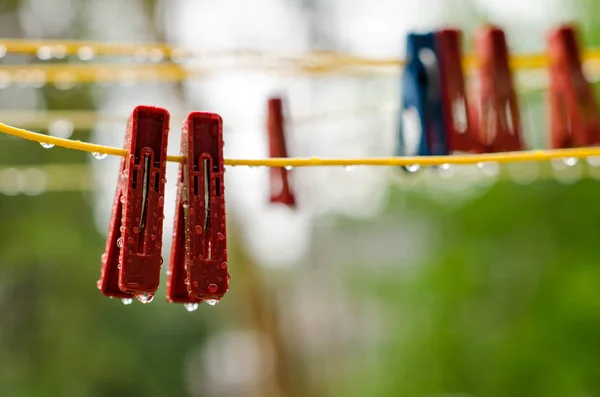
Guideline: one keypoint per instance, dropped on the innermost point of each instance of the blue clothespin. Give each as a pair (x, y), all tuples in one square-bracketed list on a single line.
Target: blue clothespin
[(422, 100)]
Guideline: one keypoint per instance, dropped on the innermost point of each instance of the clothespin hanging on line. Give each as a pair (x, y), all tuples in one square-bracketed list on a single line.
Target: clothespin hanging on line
[(433, 91), (460, 134), (280, 186), (132, 260), (421, 120), (496, 110), (198, 265), (573, 110)]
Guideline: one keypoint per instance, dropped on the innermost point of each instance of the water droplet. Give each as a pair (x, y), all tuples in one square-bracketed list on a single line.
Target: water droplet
[(104, 257), (86, 53), (212, 288), (198, 229), (61, 128), (186, 281), (130, 240), (3, 51), (489, 168), (127, 301), (99, 156), (47, 145), (445, 167), (594, 161), (155, 55), (44, 52), (122, 199), (191, 307), (349, 168), (195, 284), (212, 302), (288, 167), (413, 168), (224, 265), (145, 298), (136, 229), (120, 242), (570, 161)]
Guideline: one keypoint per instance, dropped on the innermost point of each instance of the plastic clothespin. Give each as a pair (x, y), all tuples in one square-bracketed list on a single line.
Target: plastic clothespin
[(280, 186), (460, 135), (132, 260), (496, 107), (198, 267), (421, 99), (573, 109)]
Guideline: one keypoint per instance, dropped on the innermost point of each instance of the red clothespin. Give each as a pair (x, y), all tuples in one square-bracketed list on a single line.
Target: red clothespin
[(573, 109), (198, 268), (461, 137), (132, 259), (497, 110), (281, 191)]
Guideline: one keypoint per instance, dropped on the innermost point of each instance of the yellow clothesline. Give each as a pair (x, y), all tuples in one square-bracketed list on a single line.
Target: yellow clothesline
[(310, 61), (533, 155)]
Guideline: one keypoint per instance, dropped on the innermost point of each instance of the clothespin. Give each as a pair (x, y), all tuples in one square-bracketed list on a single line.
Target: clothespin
[(421, 98), (573, 109), (132, 260), (461, 136), (198, 267), (281, 190), (496, 108)]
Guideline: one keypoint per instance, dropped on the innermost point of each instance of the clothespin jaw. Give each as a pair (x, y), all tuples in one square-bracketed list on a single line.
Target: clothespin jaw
[(573, 109), (132, 259), (280, 186), (461, 137), (497, 112), (198, 268), (421, 97)]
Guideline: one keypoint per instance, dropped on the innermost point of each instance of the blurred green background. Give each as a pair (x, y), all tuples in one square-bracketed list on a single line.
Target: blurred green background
[(441, 293)]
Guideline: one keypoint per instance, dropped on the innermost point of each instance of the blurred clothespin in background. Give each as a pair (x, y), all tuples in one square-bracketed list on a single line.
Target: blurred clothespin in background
[(279, 178), (573, 110), (132, 260), (496, 110), (421, 131)]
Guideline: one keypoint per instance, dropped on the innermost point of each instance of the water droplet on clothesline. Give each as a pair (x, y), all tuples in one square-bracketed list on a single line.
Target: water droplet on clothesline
[(47, 145), (99, 156), (413, 168), (349, 168), (570, 161), (145, 298), (86, 53), (191, 307), (44, 53), (212, 302), (127, 301), (593, 161), (288, 167)]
